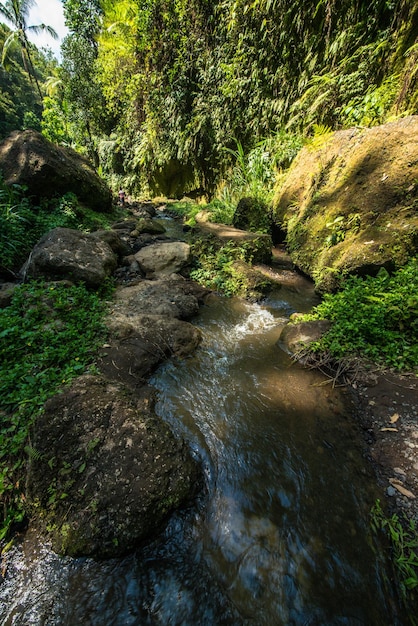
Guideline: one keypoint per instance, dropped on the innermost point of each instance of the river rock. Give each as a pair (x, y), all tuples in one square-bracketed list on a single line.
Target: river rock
[(296, 337), (105, 471), (6, 294), (163, 259), (46, 169), (148, 225), (140, 343), (169, 298), (114, 240), (64, 253)]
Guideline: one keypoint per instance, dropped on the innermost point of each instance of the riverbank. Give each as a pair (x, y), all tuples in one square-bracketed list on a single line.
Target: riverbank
[(387, 411)]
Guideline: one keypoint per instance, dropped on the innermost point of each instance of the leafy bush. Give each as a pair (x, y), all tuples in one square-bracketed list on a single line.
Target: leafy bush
[(216, 264), (375, 318), (41, 348), (185, 209), (14, 224)]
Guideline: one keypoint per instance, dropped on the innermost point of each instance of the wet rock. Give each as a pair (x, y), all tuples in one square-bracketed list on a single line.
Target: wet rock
[(295, 337), (141, 342), (28, 158), (64, 253), (105, 471)]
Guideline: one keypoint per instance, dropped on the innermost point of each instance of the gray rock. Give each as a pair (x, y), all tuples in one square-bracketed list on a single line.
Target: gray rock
[(112, 238), (6, 294), (64, 253), (148, 225), (163, 259), (295, 337), (170, 298)]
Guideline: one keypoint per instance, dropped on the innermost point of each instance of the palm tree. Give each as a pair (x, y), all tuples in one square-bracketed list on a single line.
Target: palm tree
[(17, 12)]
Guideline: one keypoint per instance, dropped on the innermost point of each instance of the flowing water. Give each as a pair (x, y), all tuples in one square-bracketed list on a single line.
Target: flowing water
[(279, 535)]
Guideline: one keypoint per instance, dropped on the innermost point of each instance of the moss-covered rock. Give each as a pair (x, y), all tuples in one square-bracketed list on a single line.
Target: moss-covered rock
[(46, 170), (105, 471), (350, 204), (253, 215)]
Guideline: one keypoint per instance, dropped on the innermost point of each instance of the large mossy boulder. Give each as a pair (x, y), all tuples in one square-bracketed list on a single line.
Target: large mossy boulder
[(27, 158), (105, 471), (349, 203)]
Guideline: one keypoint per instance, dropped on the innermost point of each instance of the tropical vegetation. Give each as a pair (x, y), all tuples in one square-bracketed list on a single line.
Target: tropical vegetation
[(206, 98)]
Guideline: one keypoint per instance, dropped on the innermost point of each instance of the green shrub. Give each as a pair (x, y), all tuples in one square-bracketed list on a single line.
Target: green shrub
[(48, 335), (375, 318), (215, 265)]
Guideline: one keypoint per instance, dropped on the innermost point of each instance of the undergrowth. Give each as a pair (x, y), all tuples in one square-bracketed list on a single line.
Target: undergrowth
[(48, 335), (403, 537), (375, 318), (22, 223), (216, 264)]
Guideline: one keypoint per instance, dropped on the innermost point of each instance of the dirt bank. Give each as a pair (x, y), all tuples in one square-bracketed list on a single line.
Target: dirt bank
[(388, 410)]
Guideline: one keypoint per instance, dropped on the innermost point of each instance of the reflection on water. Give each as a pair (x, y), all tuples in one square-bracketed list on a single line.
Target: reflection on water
[(280, 534)]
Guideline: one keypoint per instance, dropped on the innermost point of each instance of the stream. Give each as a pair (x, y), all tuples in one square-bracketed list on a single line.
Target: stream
[(280, 533)]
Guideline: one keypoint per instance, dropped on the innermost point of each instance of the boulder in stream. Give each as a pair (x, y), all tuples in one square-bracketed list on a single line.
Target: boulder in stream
[(348, 203), (297, 336), (105, 471), (140, 343)]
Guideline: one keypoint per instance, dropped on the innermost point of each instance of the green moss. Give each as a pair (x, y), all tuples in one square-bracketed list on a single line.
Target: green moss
[(349, 205)]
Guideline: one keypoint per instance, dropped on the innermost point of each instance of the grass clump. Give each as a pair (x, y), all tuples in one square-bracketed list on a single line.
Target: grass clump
[(48, 335), (402, 534), (375, 318)]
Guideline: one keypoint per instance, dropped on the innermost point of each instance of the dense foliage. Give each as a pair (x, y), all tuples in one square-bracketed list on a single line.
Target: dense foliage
[(376, 318), (403, 538), (41, 349), (20, 104), (22, 224), (183, 82)]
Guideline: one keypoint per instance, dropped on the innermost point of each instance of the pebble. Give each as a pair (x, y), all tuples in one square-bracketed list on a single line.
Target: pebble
[(391, 491)]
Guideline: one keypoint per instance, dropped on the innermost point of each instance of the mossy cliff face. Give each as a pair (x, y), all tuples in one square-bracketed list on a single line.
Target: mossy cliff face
[(349, 203)]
